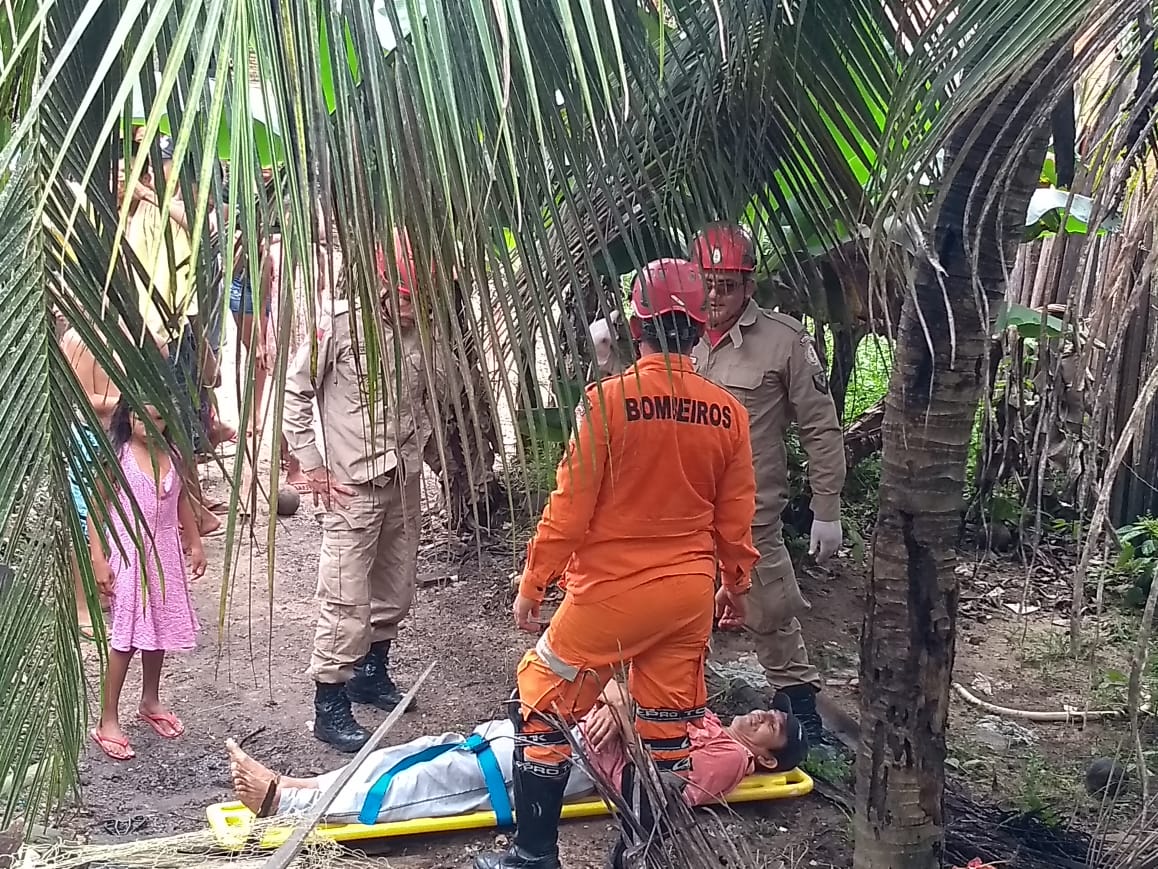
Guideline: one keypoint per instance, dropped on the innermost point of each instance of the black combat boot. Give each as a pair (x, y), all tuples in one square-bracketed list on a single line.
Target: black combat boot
[(372, 684), (641, 829), (334, 723), (803, 699), (617, 855), (822, 745), (538, 803)]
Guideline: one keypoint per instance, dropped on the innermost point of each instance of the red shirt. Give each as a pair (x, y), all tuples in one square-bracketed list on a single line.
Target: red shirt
[(715, 336), (719, 763)]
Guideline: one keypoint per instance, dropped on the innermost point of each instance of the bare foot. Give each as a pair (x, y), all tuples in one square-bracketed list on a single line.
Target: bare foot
[(251, 780), (208, 524), (222, 433)]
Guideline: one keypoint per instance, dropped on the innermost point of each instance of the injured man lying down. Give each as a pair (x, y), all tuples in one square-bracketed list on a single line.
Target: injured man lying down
[(442, 776)]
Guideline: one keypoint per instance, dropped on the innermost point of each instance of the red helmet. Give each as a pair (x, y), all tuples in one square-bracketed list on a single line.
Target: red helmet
[(668, 285), (404, 262), (724, 247)]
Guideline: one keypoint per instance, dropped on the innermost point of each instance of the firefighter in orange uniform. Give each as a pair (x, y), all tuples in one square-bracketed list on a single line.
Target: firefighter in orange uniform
[(656, 487), (768, 361)]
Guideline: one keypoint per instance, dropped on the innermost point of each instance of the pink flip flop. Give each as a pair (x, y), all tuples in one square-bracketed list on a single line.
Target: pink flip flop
[(108, 743), (166, 725)]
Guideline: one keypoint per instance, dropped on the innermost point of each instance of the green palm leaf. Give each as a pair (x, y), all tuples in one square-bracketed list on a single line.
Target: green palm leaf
[(529, 148)]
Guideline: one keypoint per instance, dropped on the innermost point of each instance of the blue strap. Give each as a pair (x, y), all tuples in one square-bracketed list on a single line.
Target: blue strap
[(377, 795), (493, 776), (488, 763)]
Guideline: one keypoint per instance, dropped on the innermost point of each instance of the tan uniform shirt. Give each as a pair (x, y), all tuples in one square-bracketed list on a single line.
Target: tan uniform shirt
[(769, 362), (366, 437)]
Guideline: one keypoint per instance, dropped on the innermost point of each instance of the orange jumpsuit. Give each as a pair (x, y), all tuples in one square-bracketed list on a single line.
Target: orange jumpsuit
[(655, 490)]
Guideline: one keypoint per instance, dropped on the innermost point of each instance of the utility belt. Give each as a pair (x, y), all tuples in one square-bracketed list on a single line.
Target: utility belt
[(487, 762)]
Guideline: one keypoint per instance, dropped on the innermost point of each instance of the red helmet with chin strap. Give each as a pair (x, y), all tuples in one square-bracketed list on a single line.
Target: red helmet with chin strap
[(726, 247), (666, 286)]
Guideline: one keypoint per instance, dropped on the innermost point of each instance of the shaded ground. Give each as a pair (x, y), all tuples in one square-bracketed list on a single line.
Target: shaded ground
[(248, 681)]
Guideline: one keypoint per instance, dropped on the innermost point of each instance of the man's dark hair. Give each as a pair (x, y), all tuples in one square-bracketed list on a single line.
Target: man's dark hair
[(673, 332)]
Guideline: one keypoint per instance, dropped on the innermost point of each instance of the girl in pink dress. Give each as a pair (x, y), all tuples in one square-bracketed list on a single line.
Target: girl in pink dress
[(144, 572)]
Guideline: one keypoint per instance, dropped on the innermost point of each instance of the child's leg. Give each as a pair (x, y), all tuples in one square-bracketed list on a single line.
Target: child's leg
[(83, 616), (247, 332), (294, 475), (109, 729), (207, 523), (151, 709), (256, 417)]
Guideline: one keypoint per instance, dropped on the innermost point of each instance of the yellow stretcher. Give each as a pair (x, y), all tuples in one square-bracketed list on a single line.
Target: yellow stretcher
[(232, 823)]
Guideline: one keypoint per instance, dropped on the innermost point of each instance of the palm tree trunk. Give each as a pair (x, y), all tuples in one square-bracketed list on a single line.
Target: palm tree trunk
[(908, 635), (470, 440)]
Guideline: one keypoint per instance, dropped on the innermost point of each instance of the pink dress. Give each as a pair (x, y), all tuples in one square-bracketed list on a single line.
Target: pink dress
[(161, 618)]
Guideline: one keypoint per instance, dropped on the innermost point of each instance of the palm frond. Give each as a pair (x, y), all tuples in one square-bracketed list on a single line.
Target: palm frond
[(41, 673), (534, 151)]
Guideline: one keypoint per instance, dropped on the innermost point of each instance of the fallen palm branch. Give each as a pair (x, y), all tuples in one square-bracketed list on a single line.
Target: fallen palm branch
[(680, 836), (183, 851), (1024, 840)]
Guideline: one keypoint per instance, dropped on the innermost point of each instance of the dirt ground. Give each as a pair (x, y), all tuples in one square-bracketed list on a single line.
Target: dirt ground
[(247, 680)]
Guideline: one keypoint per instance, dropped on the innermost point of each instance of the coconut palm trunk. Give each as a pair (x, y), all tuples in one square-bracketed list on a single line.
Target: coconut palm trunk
[(909, 627)]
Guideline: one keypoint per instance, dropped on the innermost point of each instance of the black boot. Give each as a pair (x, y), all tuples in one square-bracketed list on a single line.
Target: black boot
[(640, 829), (618, 852), (822, 745), (372, 684), (334, 723), (803, 699), (538, 803)]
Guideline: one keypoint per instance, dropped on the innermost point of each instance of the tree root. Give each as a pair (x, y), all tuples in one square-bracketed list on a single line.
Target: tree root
[(1062, 717)]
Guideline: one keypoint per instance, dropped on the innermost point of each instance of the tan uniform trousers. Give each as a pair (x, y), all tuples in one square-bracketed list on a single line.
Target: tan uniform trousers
[(366, 573), (773, 606)]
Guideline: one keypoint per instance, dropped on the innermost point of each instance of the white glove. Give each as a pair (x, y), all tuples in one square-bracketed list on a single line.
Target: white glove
[(826, 539), (605, 355), (601, 337)]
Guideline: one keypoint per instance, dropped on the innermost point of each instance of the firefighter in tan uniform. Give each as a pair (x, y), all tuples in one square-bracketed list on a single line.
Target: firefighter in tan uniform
[(770, 363), (369, 483)]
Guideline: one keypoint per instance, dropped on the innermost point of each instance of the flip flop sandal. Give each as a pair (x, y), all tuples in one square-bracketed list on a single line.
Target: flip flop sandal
[(168, 720), (266, 808), (302, 486), (107, 743), (87, 634), (125, 826)]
